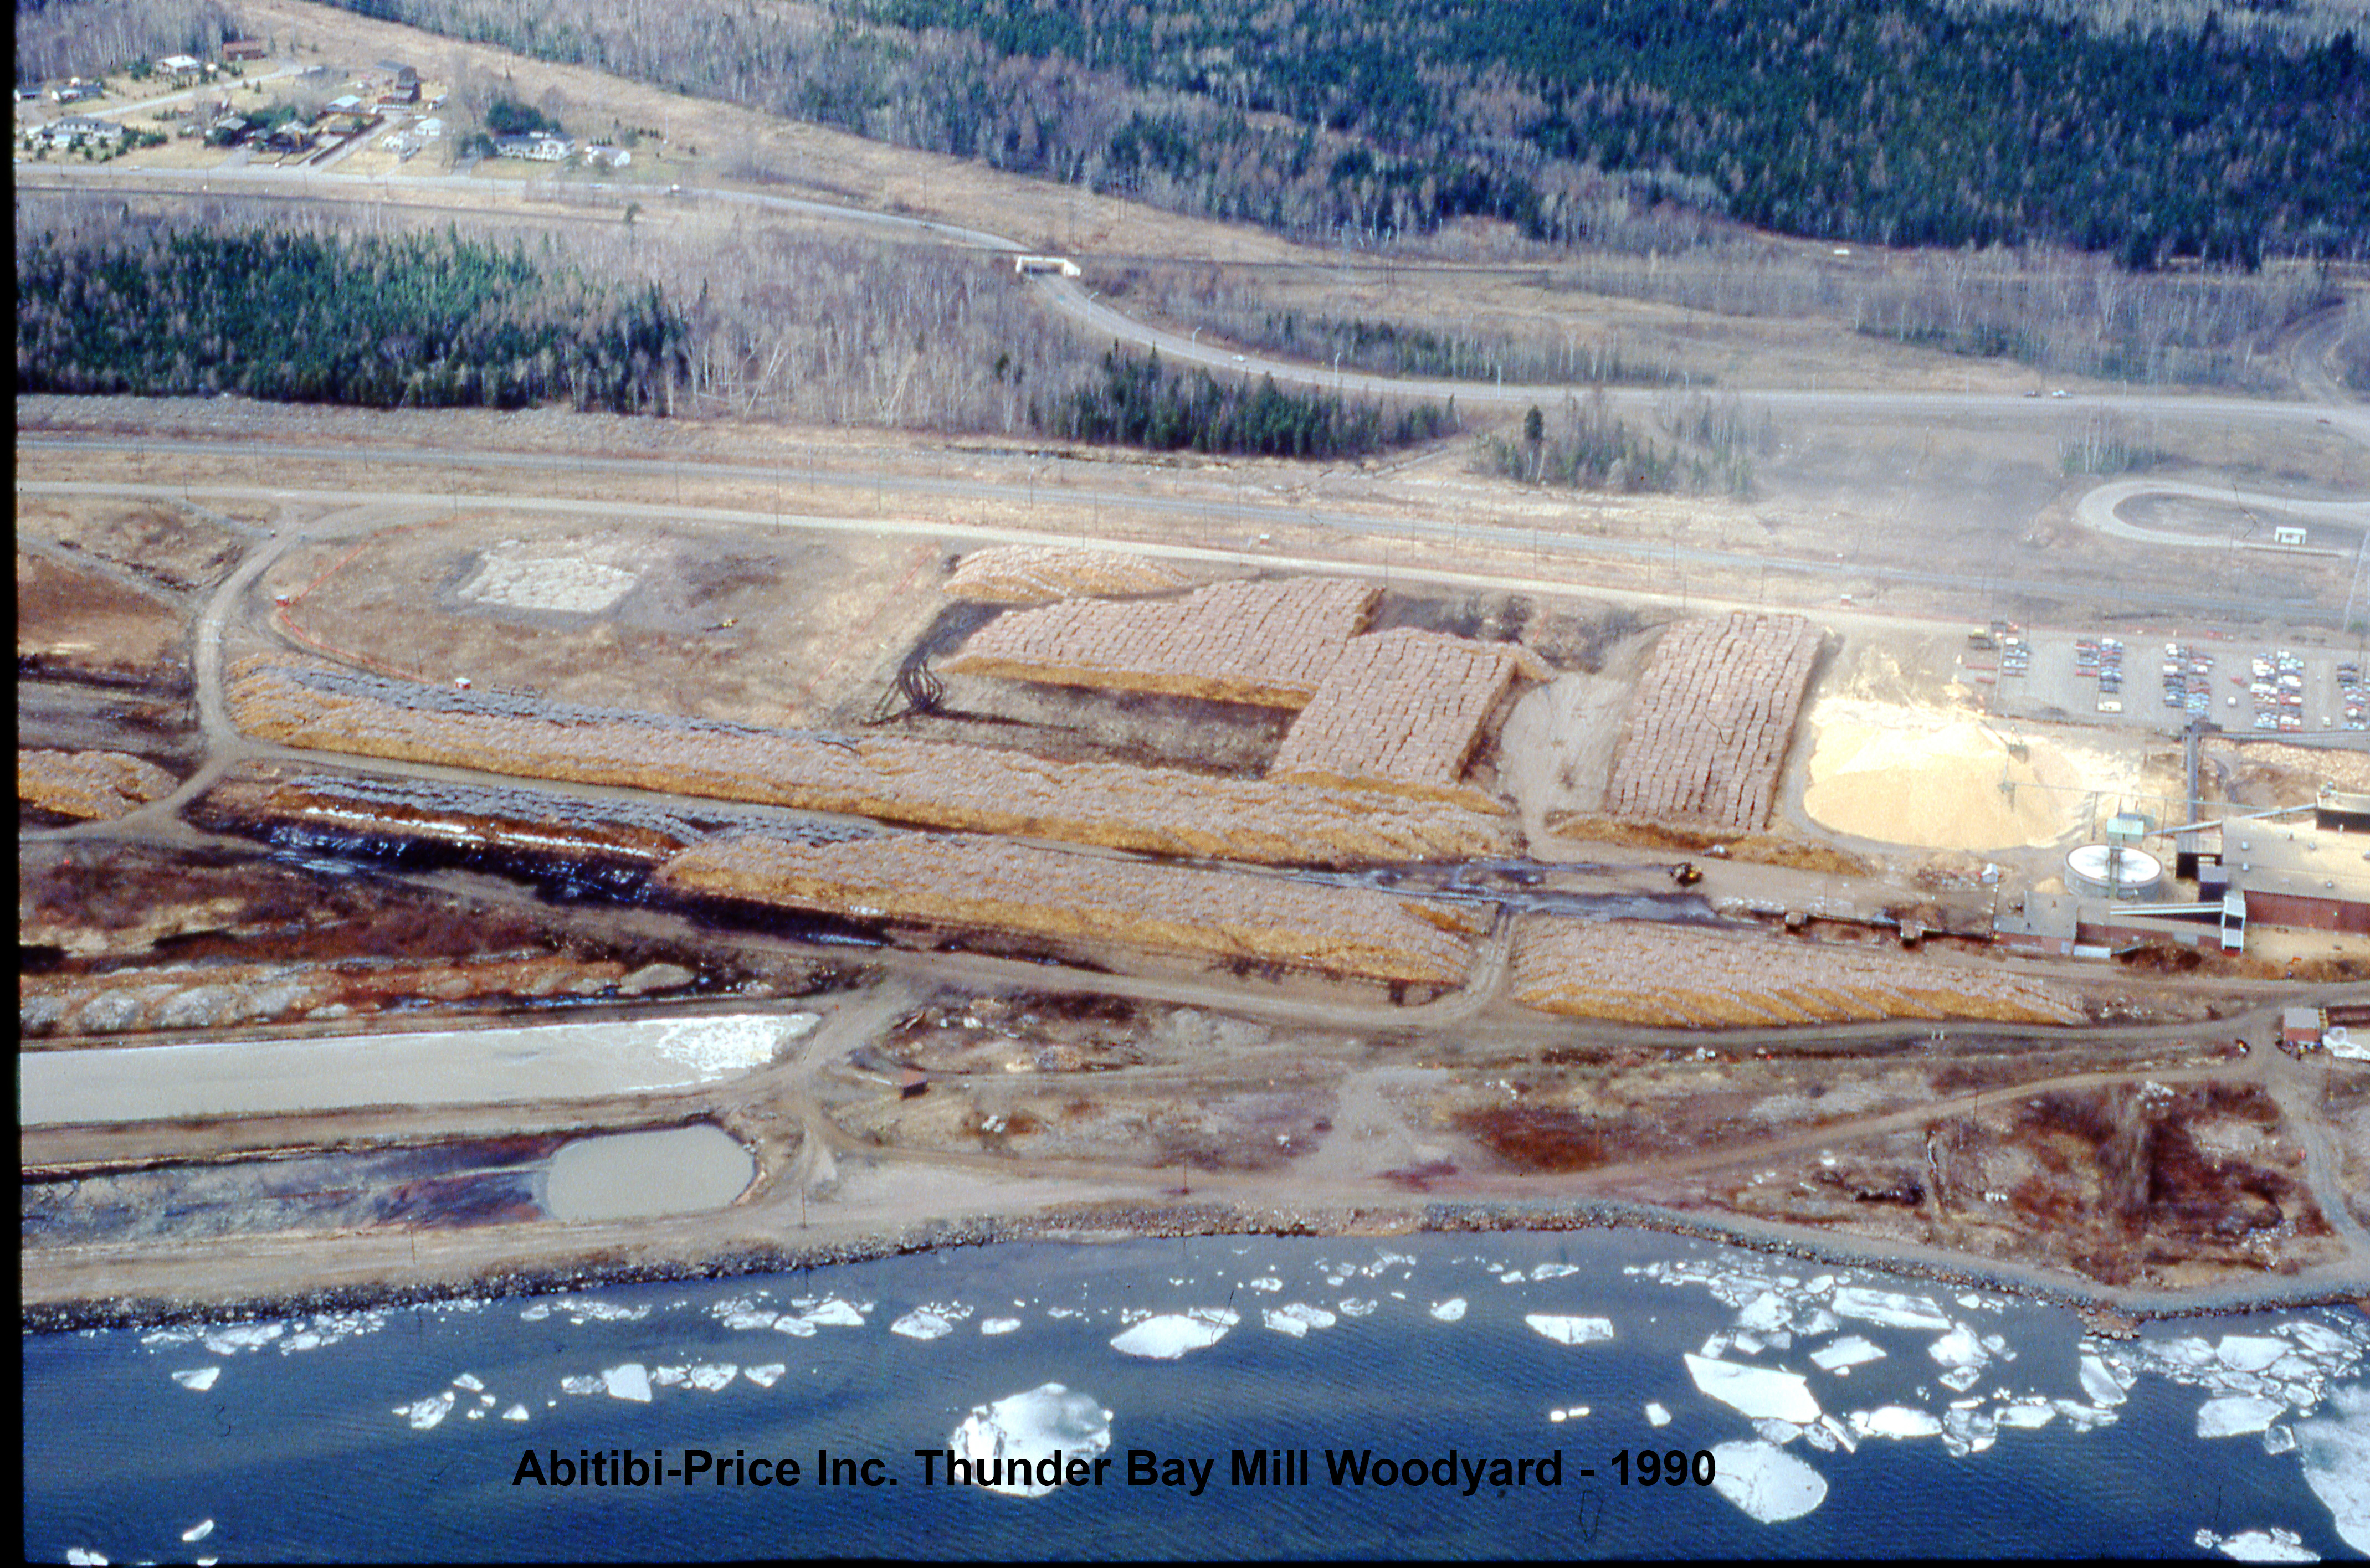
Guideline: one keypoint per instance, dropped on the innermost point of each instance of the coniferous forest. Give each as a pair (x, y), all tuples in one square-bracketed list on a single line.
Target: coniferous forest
[(416, 320), (1138, 403), (1915, 122)]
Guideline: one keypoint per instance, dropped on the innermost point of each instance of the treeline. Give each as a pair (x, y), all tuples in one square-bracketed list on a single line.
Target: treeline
[(1699, 445), (1138, 401), (90, 38), (413, 320), (1919, 122)]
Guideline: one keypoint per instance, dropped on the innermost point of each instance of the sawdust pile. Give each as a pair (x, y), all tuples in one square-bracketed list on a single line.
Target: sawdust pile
[(1711, 720), (1402, 710), (1938, 785), (1039, 574), (1056, 894), (1268, 643), (1676, 977), (932, 783), (93, 785)]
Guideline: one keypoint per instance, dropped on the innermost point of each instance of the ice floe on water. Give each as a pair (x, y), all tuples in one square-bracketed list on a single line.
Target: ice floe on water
[(1267, 1282), (83, 1557), (709, 1376), (1846, 1354), (198, 1531), (1769, 1484), (1014, 1441), (198, 1378), (515, 1412), (1570, 1330), (1172, 1334), (1656, 1414), (2274, 1545), (1757, 1392), (1896, 1421), (2234, 1415), (1961, 1348), (1890, 1309), (1356, 1307), (1297, 1318), (2336, 1450), (425, 1414), (628, 1381), (1450, 1311), (922, 1324), (471, 1381), (1553, 1270), (999, 1326), (764, 1377)]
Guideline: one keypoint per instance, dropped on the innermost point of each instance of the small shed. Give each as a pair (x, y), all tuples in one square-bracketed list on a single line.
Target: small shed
[(2300, 1028), (913, 1083)]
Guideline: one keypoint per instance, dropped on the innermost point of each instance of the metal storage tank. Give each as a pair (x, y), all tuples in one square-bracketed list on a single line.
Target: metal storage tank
[(2113, 871)]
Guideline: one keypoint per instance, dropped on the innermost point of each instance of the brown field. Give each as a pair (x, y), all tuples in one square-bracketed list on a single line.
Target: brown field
[(86, 623)]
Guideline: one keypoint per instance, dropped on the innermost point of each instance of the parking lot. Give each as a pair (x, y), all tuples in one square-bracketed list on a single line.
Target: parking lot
[(2160, 682)]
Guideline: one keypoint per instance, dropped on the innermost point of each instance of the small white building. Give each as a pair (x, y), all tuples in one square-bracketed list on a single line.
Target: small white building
[(179, 65), (74, 130)]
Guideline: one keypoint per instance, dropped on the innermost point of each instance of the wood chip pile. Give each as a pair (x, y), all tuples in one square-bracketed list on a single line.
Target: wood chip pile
[(1040, 574), (1268, 643), (1711, 722), (1057, 895), (1401, 710), (94, 785), (1677, 977), (935, 784)]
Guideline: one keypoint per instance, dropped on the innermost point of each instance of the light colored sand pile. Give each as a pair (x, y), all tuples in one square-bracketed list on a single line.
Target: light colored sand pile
[(1709, 726), (932, 783), (969, 881), (94, 785), (1268, 643), (575, 576), (1040, 574), (1937, 784), (1402, 710), (1681, 977)]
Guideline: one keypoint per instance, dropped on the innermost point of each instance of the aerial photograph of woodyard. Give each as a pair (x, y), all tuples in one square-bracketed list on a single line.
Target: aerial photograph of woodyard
[(1029, 778)]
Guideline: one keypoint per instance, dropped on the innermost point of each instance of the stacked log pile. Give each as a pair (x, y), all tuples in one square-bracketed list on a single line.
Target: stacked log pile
[(1062, 896), (97, 786), (1268, 643), (1675, 977), (934, 783), (1040, 574), (1711, 720), (1401, 710)]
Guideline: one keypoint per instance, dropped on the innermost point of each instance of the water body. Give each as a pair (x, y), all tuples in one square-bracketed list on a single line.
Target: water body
[(383, 1436), (634, 1175)]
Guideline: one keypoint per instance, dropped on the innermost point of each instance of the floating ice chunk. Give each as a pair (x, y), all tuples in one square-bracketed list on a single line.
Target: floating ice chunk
[(2274, 1545), (1811, 1323), (1749, 1343), (2317, 1338), (2336, 1450), (1358, 1309), (1764, 1312), (1849, 1351), (2250, 1353), (198, 1379), (534, 1312), (425, 1414), (2027, 1413), (628, 1382), (198, 1531), (1553, 1270), (1571, 1331), (469, 1380), (1304, 1315), (711, 1376), (1265, 1282), (1779, 1432), (1011, 1440), (1844, 1435), (83, 1555), (835, 1314), (1715, 1348), (1960, 1347), (1283, 1325), (2236, 1415), (581, 1385), (1511, 1277), (670, 1376), (1657, 1414), (2099, 1383), (303, 1340), (1894, 1421), (764, 1377), (921, 1324), (797, 1323), (1769, 1484), (243, 1336), (1760, 1394), (1889, 1307), (1958, 1380), (998, 1325), (748, 1318), (486, 1400), (1170, 1335), (515, 1412), (2279, 1440), (474, 1414)]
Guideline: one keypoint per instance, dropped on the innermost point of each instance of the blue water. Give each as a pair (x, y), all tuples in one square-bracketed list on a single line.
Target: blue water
[(304, 1457)]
